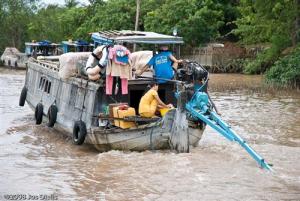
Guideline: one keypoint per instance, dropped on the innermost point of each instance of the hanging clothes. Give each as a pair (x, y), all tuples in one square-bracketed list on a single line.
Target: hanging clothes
[(118, 66), (110, 81), (119, 54)]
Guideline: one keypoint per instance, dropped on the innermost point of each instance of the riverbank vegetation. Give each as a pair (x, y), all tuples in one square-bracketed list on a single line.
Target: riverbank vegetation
[(273, 26)]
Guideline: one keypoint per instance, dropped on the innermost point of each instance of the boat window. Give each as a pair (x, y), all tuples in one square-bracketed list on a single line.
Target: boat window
[(43, 83), (46, 86), (40, 84), (49, 87)]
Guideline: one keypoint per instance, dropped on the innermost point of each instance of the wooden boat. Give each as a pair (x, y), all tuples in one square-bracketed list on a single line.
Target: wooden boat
[(73, 105), (13, 58)]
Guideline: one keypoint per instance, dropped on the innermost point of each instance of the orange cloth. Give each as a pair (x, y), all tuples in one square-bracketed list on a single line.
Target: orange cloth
[(148, 104)]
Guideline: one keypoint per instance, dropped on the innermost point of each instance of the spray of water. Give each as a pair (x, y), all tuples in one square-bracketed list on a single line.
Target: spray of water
[(179, 140)]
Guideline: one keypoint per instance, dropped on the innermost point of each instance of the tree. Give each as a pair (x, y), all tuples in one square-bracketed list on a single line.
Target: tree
[(71, 3), (271, 22), (263, 21), (14, 15), (44, 25), (197, 21), (57, 23)]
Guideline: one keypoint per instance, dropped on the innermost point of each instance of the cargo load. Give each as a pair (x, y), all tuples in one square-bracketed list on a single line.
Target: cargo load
[(121, 112), (72, 63)]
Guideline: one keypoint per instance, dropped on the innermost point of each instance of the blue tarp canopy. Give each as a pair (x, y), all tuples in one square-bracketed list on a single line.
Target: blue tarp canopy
[(110, 37)]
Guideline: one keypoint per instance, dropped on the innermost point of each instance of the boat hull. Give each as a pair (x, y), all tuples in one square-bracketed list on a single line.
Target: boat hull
[(73, 107)]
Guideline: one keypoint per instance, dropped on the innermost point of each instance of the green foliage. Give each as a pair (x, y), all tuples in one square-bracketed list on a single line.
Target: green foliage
[(55, 23), (114, 15), (271, 22), (286, 71), (196, 21), (262, 20), (44, 24), (14, 15)]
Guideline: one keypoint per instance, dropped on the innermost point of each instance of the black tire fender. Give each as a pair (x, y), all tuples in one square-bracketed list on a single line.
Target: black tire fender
[(23, 96), (39, 113), (79, 132), (52, 115)]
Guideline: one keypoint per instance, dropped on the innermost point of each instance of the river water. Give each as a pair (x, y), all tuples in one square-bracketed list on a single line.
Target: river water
[(38, 161)]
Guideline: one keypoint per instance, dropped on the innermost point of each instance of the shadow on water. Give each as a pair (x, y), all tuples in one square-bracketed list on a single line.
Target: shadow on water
[(39, 160)]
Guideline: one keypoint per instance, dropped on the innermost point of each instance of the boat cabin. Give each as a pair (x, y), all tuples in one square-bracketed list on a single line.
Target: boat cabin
[(41, 48), (77, 46), (137, 86)]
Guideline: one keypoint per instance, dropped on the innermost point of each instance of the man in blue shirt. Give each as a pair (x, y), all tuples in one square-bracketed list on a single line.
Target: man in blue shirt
[(162, 64)]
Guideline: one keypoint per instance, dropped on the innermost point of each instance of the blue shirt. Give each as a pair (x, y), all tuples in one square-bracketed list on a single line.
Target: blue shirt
[(162, 65)]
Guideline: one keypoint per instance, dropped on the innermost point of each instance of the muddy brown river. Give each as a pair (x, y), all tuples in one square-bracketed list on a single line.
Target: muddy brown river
[(42, 164)]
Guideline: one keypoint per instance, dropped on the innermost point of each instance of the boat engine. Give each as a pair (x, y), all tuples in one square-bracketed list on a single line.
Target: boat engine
[(190, 71), (200, 107)]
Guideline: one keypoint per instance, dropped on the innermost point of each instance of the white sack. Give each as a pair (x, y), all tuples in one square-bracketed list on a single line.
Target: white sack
[(72, 62), (139, 60)]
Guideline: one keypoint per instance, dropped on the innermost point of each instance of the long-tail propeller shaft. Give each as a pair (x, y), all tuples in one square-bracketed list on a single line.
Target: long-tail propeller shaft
[(199, 108)]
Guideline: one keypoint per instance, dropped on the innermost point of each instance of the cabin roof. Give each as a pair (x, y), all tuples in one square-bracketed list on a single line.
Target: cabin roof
[(110, 37), (36, 44), (76, 43)]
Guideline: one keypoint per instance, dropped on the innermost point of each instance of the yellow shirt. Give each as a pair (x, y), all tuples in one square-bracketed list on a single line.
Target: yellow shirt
[(148, 102)]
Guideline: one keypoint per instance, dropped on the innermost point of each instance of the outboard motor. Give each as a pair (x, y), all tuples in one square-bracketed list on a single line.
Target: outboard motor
[(194, 75), (191, 71)]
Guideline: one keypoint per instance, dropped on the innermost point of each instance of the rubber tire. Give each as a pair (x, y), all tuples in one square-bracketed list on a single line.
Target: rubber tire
[(23, 96), (52, 115), (8, 63), (39, 113), (79, 132), (16, 64)]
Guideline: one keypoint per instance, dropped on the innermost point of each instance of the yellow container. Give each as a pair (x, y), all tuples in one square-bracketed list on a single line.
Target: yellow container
[(163, 111), (121, 114)]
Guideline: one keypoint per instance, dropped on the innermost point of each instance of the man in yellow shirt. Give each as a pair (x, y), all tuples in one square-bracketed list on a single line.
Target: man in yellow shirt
[(151, 102)]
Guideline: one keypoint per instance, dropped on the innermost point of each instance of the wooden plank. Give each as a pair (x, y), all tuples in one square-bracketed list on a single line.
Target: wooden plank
[(130, 119)]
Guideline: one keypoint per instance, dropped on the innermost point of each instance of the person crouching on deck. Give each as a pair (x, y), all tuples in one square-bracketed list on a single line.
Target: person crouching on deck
[(99, 55), (150, 102), (162, 64)]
